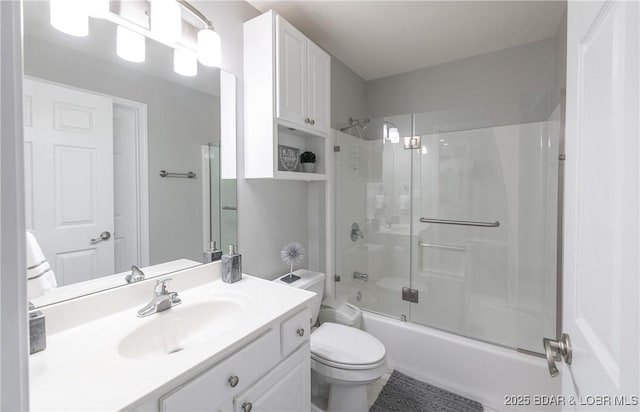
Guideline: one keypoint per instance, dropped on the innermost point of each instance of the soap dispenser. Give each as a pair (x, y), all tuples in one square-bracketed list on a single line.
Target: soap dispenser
[(232, 266), (212, 254)]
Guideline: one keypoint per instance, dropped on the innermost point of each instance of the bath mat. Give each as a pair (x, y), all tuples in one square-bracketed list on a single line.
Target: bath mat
[(405, 394)]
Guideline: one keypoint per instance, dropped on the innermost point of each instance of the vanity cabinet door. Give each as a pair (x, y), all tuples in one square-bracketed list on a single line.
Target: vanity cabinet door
[(211, 389), (291, 69), (287, 388)]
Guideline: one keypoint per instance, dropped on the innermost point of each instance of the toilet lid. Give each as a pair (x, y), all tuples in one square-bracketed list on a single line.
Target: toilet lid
[(345, 345)]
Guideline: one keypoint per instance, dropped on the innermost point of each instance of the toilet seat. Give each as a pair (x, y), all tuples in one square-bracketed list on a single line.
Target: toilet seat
[(345, 347)]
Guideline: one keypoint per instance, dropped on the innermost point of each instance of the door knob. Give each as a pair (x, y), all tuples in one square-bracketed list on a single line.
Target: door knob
[(556, 351), (103, 236)]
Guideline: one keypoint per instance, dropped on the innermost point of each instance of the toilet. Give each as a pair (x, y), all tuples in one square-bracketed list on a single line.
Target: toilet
[(344, 359)]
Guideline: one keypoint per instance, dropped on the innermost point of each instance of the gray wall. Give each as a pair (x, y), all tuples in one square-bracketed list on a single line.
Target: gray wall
[(508, 86), (348, 95), (560, 80), (180, 120), (270, 212)]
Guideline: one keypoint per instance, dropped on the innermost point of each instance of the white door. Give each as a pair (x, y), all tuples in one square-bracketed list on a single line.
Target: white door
[(319, 90), (291, 69), (69, 179), (601, 247)]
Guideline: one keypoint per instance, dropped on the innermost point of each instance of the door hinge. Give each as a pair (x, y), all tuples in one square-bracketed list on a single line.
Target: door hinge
[(410, 295), (412, 143), (336, 148), (336, 278)]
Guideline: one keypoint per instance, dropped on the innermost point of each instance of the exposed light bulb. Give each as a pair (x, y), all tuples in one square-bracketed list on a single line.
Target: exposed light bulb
[(394, 135), (69, 16), (209, 48), (130, 45), (166, 20), (185, 62)]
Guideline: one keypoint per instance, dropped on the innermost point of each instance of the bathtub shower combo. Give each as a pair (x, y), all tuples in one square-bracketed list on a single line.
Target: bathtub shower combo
[(449, 231)]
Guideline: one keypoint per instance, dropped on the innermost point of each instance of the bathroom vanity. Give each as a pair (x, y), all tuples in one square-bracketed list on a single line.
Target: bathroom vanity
[(226, 347)]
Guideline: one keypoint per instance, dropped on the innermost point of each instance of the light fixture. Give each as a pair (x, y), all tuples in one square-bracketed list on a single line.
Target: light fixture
[(209, 47), (424, 150), (394, 135), (130, 45), (69, 16), (166, 20), (185, 62)]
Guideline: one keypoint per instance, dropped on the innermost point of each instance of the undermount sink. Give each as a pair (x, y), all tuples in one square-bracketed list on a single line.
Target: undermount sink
[(180, 327)]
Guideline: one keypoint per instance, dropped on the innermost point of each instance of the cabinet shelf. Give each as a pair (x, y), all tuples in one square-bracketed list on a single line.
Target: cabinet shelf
[(309, 177)]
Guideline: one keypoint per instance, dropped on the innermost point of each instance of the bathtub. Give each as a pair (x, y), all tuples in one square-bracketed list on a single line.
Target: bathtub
[(477, 370)]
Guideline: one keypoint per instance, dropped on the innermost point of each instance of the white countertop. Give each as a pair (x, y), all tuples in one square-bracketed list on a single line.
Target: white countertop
[(82, 370)]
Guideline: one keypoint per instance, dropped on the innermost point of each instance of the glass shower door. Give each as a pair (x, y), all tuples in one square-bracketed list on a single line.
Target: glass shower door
[(488, 271), (373, 219)]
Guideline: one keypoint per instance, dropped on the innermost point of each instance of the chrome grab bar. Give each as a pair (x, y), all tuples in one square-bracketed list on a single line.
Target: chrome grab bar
[(437, 246), (460, 222), (188, 175)]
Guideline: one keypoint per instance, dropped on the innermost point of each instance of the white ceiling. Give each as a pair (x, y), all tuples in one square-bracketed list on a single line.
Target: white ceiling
[(382, 38)]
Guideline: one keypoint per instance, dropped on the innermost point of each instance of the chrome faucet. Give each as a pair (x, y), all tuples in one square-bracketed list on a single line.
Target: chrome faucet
[(136, 275), (356, 232), (161, 301)]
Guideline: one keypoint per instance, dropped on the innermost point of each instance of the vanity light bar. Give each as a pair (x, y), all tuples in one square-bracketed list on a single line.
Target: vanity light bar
[(207, 43), (196, 13)]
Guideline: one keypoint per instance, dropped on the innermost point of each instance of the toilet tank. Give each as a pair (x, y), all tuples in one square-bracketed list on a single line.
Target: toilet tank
[(311, 281)]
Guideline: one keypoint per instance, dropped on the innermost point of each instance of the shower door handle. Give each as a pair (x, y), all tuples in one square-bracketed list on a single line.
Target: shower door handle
[(556, 351)]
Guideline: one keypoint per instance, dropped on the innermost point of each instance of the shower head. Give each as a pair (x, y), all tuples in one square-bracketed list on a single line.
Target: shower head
[(360, 124)]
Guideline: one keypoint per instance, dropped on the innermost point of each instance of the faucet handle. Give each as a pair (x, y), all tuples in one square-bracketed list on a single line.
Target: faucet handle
[(161, 287)]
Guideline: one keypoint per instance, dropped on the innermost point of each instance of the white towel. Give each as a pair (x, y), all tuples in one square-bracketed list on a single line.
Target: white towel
[(40, 277)]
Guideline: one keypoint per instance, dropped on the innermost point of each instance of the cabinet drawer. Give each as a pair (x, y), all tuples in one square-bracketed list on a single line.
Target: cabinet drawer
[(295, 331), (213, 387)]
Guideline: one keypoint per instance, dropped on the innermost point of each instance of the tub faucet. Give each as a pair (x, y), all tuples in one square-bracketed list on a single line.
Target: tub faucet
[(161, 301), (356, 232)]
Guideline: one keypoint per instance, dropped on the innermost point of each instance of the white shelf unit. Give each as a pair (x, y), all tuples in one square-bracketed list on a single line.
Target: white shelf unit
[(286, 98)]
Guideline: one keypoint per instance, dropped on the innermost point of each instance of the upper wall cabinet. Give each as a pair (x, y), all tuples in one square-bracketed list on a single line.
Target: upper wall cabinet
[(303, 86), (287, 83)]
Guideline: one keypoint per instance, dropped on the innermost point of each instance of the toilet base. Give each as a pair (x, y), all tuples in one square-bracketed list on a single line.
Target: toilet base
[(331, 395), (347, 398)]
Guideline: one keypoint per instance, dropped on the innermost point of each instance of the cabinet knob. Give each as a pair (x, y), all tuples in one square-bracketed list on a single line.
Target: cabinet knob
[(233, 381), (307, 120), (312, 122), (247, 406), (300, 332)]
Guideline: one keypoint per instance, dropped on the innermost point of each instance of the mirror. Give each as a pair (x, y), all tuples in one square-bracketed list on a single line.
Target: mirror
[(122, 159)]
